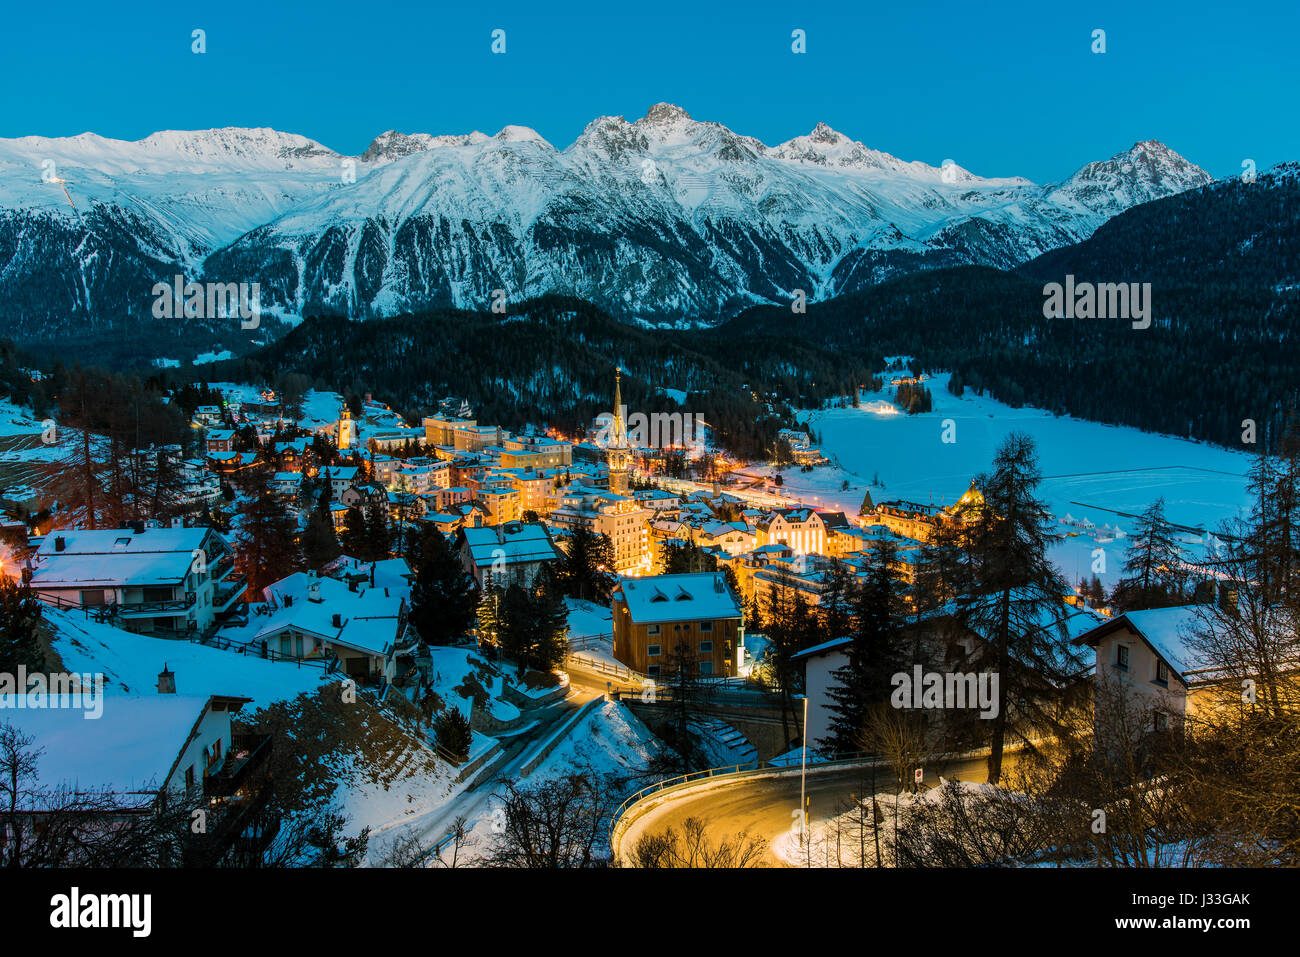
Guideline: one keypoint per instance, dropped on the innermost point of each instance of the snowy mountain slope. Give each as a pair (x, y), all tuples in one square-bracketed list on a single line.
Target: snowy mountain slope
[(661, 218)]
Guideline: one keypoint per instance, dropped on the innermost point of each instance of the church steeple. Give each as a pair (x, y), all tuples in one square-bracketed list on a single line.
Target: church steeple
[(618, 456), (619, 439)]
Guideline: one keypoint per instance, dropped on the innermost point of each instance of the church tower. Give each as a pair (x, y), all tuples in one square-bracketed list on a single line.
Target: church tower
[(618, 456), (347, 429)]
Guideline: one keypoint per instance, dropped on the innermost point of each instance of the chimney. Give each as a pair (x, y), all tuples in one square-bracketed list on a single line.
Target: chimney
[(178, 522), (372, 574), (313, 591), (60, 543), (137, 527), (337, 620), (166, 681)]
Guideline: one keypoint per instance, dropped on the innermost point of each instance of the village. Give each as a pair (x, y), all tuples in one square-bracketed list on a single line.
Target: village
[(502, 596)]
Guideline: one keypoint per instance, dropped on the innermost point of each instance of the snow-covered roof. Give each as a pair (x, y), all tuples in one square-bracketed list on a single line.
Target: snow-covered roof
[(697, 596), (117, 556), (130, 663), (825, 647), (1167, 630), (513, 542), (367, 618), (131, 747)]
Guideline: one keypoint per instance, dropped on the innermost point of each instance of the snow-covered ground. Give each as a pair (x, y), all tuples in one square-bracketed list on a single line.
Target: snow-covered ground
[(130, 663), (1091, 471), (587, 619)]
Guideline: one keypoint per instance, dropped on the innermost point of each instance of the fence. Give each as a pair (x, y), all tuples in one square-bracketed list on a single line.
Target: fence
[(266, 652), (733, 772), (604, 667)]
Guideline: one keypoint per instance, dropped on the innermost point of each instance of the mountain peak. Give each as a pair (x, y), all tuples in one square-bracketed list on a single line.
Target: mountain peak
[(665, 113), (394, 145), (822, 133), (520, 134)]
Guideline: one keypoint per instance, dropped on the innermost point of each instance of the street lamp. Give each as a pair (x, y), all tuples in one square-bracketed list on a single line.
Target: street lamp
[(803, 769)]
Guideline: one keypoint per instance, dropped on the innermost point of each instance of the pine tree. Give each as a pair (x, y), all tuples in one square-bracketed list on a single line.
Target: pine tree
[(453, 733), (20, 619), (356, 536), (1153, 577), (586, 567), (379, 537), (320, 544), (873, 656), (1013, 597), (836, 601), (443, 595), (266, 540)]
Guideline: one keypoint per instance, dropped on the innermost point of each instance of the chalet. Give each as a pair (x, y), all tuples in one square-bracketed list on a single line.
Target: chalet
[(219, 440), (364, 494), (733, 538), (312, 618), (341, 478), (655, 615), (206, 415), (1146, 664), (287, 484), (226, 463), (143, 748), (149, 580), (509, 553)]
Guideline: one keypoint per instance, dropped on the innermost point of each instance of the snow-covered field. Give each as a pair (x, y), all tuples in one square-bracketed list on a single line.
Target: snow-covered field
[(130, 663), (1091, 471)]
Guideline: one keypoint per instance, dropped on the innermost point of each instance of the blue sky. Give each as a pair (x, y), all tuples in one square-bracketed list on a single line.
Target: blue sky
[(1003, 89)]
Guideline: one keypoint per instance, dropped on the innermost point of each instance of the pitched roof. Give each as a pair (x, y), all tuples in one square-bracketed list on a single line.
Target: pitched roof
[(117, 556), (131, 747), (660, 598), (1167, 630), (515, 542)]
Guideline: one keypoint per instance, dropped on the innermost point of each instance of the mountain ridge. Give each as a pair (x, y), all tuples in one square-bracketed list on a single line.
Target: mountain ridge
[(661, 219)]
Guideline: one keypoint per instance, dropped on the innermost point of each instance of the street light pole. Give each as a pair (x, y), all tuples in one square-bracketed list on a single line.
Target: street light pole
[(803, 770)]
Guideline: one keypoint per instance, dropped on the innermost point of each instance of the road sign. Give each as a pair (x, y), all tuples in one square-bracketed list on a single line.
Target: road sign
[(920, 773)]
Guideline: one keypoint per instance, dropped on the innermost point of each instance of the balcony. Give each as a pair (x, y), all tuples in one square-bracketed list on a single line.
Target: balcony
[(146, 609), (248, 753), (228, 592), (221, 565)]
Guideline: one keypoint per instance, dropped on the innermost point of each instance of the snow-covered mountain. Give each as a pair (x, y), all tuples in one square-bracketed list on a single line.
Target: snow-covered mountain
[(663, 218)]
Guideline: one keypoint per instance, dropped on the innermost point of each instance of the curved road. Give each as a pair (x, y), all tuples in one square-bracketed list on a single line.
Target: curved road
[(767, 806)]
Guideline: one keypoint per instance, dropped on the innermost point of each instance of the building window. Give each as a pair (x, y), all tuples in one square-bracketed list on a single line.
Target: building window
[(706, 667), (653, 671), (653, 651), (1161, 721), (1162, 673), (652, 630), (706, 647), (189, 776), (706, 626), (1121, 657)]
